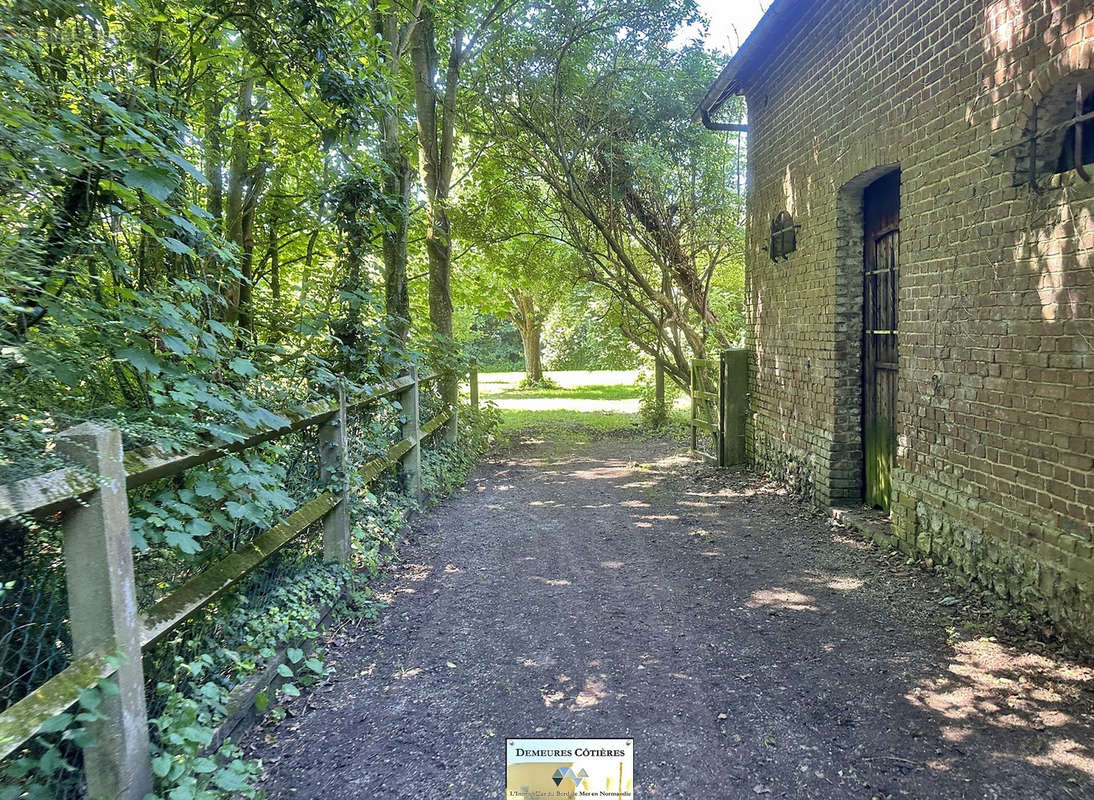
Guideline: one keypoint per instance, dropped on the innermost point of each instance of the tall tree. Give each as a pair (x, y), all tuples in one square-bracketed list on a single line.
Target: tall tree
[(436, 111), (593, 98), (394, 30)]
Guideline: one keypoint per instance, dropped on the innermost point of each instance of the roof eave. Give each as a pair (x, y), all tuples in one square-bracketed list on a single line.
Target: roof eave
[(763, 43)]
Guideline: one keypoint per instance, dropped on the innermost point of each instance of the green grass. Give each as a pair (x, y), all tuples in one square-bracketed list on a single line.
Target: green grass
[(588, 405), (591, 392)]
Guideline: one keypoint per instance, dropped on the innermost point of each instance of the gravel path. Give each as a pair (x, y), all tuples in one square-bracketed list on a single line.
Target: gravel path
[(617, 589)]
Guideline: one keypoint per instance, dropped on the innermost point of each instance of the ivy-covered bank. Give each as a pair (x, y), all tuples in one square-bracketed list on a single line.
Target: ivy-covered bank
[(262, 632)]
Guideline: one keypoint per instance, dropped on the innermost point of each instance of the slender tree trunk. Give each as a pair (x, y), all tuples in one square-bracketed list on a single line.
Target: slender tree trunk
[(531, 338), (435, 161), (214, 153), (397, 180), (213, 169), (529, 322), (237, 176), (396, 183)]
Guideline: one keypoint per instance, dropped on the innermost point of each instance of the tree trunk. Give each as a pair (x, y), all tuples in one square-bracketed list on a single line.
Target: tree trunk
[(435, 161), (396, 182), (531, 339), (237, 176), (396, 230), (529, 322)]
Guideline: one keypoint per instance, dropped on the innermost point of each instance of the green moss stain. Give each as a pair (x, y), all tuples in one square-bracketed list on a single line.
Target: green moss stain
[(22, 720), (880, 447)]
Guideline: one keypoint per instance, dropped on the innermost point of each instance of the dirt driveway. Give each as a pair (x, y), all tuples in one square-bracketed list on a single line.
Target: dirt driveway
[(750, 649)]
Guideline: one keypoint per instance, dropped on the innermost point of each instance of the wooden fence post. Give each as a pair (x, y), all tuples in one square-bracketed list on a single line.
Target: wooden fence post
[(694, 439), (451, 396), (474, 381), (411, 462), (659, 382), (334, 469), (102, 606)]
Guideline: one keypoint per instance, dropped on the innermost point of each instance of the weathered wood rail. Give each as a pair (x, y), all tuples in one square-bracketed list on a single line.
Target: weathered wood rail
[(108, 630)]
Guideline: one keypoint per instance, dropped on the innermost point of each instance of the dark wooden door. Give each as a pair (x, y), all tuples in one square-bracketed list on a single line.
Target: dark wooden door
[(881, 250)]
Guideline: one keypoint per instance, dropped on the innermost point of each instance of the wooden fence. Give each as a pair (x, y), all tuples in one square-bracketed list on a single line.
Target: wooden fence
[(108, 630)]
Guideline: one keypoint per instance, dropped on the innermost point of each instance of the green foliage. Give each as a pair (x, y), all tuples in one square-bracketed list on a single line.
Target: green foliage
[(493, 343), (530, 385), (582, 334), (655, 413), (35, 773), (588, 112), (167, 262), (247, 489)]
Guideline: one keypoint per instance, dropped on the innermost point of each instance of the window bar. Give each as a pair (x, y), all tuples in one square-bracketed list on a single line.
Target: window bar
[(1079, 167)]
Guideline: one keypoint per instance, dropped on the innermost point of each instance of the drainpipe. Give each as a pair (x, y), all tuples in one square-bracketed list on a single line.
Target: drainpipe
[(733, 127)]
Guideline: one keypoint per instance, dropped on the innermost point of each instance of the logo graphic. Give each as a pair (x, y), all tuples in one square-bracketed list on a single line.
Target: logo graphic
[(569, 769), (568, 772)]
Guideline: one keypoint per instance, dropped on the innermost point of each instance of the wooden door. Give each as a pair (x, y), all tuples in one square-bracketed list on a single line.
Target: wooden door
[(881, 251)]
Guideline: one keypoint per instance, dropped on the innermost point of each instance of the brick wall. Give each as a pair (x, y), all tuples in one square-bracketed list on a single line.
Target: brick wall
[(995, 468)]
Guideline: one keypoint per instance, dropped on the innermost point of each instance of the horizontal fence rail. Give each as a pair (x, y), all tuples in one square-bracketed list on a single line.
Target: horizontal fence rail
[(60, 489), (108, 632)]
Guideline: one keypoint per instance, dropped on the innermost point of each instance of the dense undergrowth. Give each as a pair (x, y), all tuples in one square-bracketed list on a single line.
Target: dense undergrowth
[(279, 608)]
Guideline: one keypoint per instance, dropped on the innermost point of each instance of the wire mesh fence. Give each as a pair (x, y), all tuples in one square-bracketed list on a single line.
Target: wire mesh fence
[(181, 525)]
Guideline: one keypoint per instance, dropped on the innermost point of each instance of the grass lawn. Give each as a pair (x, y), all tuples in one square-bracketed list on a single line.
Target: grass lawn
[(588, 402)]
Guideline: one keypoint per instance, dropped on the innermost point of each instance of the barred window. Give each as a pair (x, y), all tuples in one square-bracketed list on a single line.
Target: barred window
[(1085, 132), (784, 236)]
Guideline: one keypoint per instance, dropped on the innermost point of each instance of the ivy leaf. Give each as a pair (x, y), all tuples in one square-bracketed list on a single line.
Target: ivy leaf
[(284, 671), (204, 765), (184, 791), (140, 360), (176, 345), (90, 699), (197, 734), (199, 527), (161, 765), (294, 654), (193, 171), (290, 690), (220, 329), (55, 724), (51, 761), (175, 246), (315, 665), (230, 780), (183, 541), (154, 182), (262, 701), (241, 366)]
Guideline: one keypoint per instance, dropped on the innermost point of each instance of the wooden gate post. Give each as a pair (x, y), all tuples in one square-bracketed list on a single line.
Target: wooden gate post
[(102, 607), (333, 469), (411, 462), (659, 382), (474, 381), (451, 396), (734, 407), (694, 438)]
